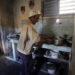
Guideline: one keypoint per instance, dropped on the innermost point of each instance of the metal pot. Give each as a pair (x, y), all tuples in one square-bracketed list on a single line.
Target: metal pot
[(59, 42)]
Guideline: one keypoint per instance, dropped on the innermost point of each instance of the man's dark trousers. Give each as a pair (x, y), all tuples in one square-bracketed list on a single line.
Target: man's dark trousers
[(26, 64)]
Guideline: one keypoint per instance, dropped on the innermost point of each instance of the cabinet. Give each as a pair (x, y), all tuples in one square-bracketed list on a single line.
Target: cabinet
[(51, 65)]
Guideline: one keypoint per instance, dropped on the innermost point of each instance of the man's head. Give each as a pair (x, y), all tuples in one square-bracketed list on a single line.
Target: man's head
[(34, 16), (22, 9)]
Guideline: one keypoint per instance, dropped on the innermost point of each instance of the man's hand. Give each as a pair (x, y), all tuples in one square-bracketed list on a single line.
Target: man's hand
[(48, 41), (40, 42)]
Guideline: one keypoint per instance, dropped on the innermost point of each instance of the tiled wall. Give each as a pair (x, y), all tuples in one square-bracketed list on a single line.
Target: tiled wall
[(50, 27)]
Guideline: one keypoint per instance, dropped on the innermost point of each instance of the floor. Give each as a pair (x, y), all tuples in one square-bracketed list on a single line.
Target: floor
[(8, 67)]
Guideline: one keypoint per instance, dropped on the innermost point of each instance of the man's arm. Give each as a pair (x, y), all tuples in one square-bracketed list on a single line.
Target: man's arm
[(34, 36)]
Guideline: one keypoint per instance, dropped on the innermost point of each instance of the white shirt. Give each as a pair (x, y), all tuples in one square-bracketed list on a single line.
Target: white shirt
[(28, 37)]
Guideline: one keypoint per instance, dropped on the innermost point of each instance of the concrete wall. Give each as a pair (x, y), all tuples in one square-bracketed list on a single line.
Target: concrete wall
[(6, 20), (17, 6), (73, 53)]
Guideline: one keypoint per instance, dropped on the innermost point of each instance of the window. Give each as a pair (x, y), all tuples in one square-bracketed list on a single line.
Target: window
[(66, 6)]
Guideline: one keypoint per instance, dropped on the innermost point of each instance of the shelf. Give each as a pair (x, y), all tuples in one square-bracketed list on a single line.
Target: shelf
[(57, 59), (54, 59), (57, 48), (46, 72)]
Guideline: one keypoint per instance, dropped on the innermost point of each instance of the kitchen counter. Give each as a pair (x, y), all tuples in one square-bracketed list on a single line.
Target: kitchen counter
[(47, 46), (57, 48)]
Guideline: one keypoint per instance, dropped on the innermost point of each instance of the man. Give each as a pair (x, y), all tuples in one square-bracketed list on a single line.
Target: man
[(28, 37)]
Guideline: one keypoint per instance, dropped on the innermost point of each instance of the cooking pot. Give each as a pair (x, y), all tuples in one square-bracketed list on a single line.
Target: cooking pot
[(59, 42)]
